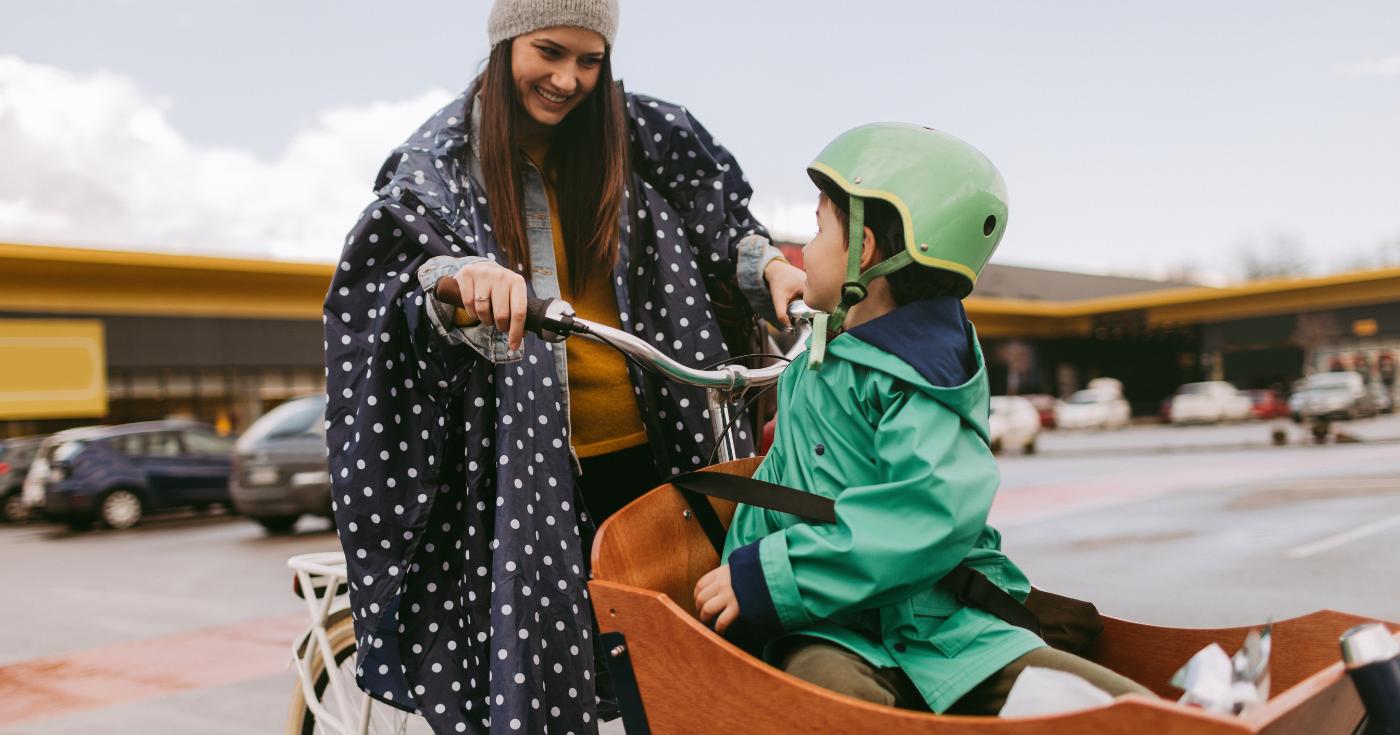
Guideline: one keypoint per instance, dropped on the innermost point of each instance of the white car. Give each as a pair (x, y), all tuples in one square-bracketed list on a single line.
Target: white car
[(1093, 408), (1015, 423), (1110, 385), (1210, 402)]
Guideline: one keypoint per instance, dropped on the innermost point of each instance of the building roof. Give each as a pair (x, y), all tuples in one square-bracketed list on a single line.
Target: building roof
[(1012, 301), (1039, 284), (1000, 281)]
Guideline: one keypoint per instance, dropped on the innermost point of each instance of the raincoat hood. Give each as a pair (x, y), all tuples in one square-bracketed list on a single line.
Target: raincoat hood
[(928, 345)]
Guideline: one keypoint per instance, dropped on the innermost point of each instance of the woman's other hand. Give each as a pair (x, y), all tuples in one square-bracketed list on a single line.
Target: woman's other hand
[(489, 293), (786, 282)]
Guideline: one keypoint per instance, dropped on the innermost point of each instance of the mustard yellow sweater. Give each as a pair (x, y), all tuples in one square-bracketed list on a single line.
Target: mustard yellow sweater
[(602, 406)]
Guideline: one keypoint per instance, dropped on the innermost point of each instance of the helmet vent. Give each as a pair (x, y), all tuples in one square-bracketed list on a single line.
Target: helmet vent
[(990, 225)]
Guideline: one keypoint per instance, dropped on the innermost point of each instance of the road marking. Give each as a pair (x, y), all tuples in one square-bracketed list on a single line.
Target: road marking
[(145, 669), (1346, 537)]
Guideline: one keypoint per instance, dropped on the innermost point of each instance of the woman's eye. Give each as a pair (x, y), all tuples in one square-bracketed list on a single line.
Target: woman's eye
[(548, 52), (590, 62)]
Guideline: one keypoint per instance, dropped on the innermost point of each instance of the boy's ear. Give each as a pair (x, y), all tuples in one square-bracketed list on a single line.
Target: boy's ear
[(869, 253)]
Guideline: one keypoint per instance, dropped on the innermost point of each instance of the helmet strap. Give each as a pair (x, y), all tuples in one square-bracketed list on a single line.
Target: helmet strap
[(852, 291), (857, 284)]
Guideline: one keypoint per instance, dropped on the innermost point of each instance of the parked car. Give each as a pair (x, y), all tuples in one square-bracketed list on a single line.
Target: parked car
[(1014, 423), (16, 455), (120, 474), (1209, 403), (280, 470), (1268, 404), (32, 492), (1045, 406), (1340, 395), (1093, 408)]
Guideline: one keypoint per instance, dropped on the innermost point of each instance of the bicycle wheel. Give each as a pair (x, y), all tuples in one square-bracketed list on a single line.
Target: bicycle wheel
[(384, 720)]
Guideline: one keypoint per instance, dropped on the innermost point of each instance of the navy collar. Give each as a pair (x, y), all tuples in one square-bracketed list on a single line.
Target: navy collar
[(933, 336)]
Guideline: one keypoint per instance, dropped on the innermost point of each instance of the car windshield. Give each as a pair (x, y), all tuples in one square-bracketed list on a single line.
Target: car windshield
[(1089, 396), (1193, 389), (300, 416)]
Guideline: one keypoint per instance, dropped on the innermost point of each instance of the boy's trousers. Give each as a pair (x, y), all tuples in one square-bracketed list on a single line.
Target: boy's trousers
[(836, 668)]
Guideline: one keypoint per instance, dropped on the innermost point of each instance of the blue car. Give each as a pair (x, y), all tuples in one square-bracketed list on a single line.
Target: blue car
[(117, 475)]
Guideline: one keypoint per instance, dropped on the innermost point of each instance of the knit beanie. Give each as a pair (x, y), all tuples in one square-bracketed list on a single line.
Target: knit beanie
[(511, 18)]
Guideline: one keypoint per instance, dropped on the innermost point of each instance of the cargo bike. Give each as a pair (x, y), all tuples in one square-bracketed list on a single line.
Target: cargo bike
[(676, 675)]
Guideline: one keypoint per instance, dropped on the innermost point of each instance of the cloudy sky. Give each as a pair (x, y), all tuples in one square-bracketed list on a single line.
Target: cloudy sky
[(1135, 137)]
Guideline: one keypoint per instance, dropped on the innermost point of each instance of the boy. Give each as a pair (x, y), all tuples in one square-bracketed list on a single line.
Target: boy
[(890, 420)]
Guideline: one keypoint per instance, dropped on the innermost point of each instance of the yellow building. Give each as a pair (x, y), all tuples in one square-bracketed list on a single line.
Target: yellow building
[(97, 336), (89, 336)]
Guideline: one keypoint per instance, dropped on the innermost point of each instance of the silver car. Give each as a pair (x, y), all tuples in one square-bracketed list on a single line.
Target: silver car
[(279, 466), (1340, 395)]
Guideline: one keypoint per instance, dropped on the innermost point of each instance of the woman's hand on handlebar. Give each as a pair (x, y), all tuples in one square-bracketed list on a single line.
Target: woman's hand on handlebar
[(489, 293), (786, 282)]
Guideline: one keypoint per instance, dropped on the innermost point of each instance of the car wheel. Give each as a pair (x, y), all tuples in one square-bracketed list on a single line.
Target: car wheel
[(121, 509), (12, 508), (1030, 446), (277, 524)]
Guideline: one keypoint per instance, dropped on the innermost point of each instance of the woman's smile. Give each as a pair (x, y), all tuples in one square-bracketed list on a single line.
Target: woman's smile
[(552, 98)]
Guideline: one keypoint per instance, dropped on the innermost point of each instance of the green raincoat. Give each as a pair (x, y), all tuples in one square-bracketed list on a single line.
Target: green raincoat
[(893, 427)]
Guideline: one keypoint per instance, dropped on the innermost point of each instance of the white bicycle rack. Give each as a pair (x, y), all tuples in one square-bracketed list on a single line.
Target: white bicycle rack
[(320, 577)]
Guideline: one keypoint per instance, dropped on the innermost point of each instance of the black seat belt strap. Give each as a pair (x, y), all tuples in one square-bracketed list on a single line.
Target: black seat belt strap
[(966, 584)]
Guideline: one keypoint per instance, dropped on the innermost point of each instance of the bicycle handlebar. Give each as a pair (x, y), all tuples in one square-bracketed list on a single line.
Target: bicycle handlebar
[(553, 320)]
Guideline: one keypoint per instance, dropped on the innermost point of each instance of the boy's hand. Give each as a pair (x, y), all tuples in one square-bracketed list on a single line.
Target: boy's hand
[(785, 283), (714, 598)]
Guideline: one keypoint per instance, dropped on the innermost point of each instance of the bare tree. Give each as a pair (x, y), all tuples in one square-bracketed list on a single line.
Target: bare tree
[(1018, 358), (1186, 271), (1386, 254), (1312, 331), (1280, 256)]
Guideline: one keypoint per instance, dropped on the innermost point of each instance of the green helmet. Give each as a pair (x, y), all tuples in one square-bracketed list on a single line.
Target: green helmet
[(952, 201)]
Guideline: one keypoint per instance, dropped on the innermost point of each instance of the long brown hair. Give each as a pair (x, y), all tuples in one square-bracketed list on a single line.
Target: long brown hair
[(587, 161)]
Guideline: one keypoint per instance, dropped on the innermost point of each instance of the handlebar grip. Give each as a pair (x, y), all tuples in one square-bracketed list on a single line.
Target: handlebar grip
[(448, 292), (535, 315)]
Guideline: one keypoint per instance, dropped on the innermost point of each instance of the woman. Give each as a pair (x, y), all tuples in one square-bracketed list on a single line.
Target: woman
[(457, 475)]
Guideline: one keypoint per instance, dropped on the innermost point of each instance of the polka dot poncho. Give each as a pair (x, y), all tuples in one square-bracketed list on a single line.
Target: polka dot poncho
[(451, 479)]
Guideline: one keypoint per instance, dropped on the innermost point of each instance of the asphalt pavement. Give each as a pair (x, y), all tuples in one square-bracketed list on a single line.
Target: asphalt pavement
[(185, 624)]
